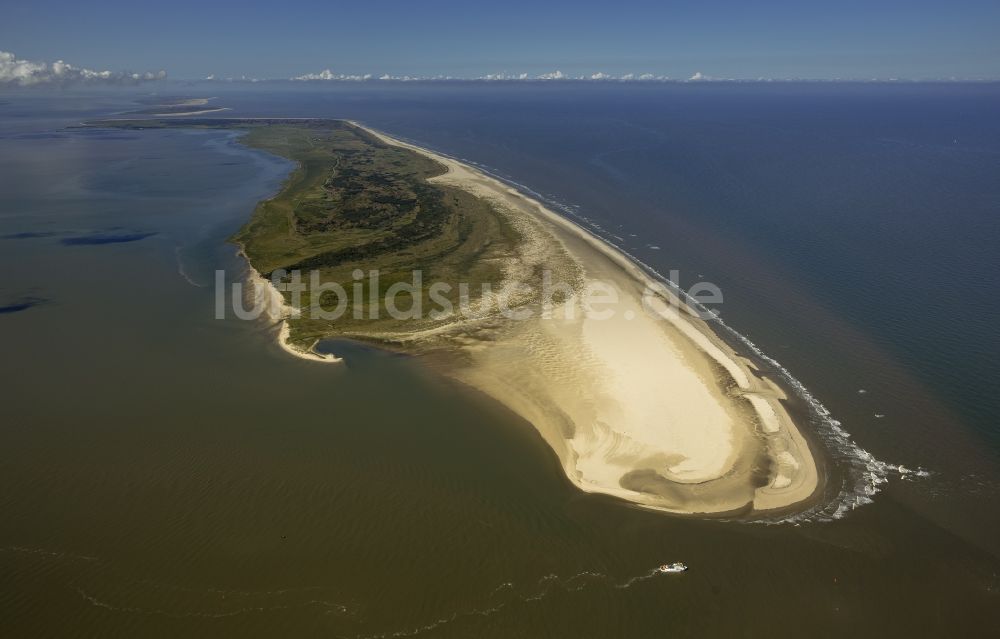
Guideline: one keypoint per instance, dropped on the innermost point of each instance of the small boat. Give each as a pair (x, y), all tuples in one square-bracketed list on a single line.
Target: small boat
[(674, 567)]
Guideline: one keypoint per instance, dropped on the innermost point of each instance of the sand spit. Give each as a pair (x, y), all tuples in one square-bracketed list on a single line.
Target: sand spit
[(260, 291), (649, 405), (178, 114)]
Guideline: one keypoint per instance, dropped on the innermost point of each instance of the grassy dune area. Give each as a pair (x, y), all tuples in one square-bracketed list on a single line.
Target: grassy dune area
[(354, 202)]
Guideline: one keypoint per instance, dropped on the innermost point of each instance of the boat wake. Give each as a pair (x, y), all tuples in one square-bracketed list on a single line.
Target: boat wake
[(204, 602), (507, 595), (172, 601), (327, 607)]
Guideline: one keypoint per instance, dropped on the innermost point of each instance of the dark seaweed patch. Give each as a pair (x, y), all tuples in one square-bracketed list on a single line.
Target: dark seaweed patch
[(106, 238), (41, 135), (22, 304), (28, 235)]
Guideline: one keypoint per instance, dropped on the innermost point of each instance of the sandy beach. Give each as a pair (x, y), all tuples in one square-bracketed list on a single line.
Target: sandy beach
[(261, 292), (649, 405), (190, 113)]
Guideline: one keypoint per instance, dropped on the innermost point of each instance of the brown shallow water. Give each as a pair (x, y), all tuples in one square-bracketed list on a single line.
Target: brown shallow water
[(163, 473)]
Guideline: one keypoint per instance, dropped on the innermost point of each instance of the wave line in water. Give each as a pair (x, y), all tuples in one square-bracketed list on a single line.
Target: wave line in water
[(182, 269)]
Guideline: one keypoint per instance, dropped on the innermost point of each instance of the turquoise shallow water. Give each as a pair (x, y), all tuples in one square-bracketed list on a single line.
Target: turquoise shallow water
[(166, 473)]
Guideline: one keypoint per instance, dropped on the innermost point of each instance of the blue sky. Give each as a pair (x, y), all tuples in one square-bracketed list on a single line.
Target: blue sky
[(745, 39)]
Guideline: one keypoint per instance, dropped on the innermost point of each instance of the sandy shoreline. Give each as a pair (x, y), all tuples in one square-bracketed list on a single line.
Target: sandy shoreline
[(656, 410), (261, 292), (188, 113)]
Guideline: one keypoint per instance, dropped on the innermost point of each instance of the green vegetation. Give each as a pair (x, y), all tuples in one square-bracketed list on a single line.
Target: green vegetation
[(354, 202)]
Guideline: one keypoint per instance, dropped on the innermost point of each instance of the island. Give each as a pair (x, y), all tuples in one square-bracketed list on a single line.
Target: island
[(377, 240)]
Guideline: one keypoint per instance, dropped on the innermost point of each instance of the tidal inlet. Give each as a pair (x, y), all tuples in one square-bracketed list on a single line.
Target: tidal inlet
[(376, 240)]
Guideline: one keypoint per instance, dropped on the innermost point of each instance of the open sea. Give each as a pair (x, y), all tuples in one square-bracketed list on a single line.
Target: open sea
[(164, 473)]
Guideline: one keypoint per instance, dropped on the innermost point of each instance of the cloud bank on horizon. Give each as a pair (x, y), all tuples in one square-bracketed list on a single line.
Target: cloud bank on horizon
[(23, 73), (329, 75)]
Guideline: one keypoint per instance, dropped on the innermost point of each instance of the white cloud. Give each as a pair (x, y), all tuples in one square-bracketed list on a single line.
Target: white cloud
[(698, 76), (503, 75), (600, 76), (327, 74), (17, 72)]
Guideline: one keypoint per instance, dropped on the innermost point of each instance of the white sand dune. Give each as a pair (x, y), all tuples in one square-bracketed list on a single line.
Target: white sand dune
[(650, 405)]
